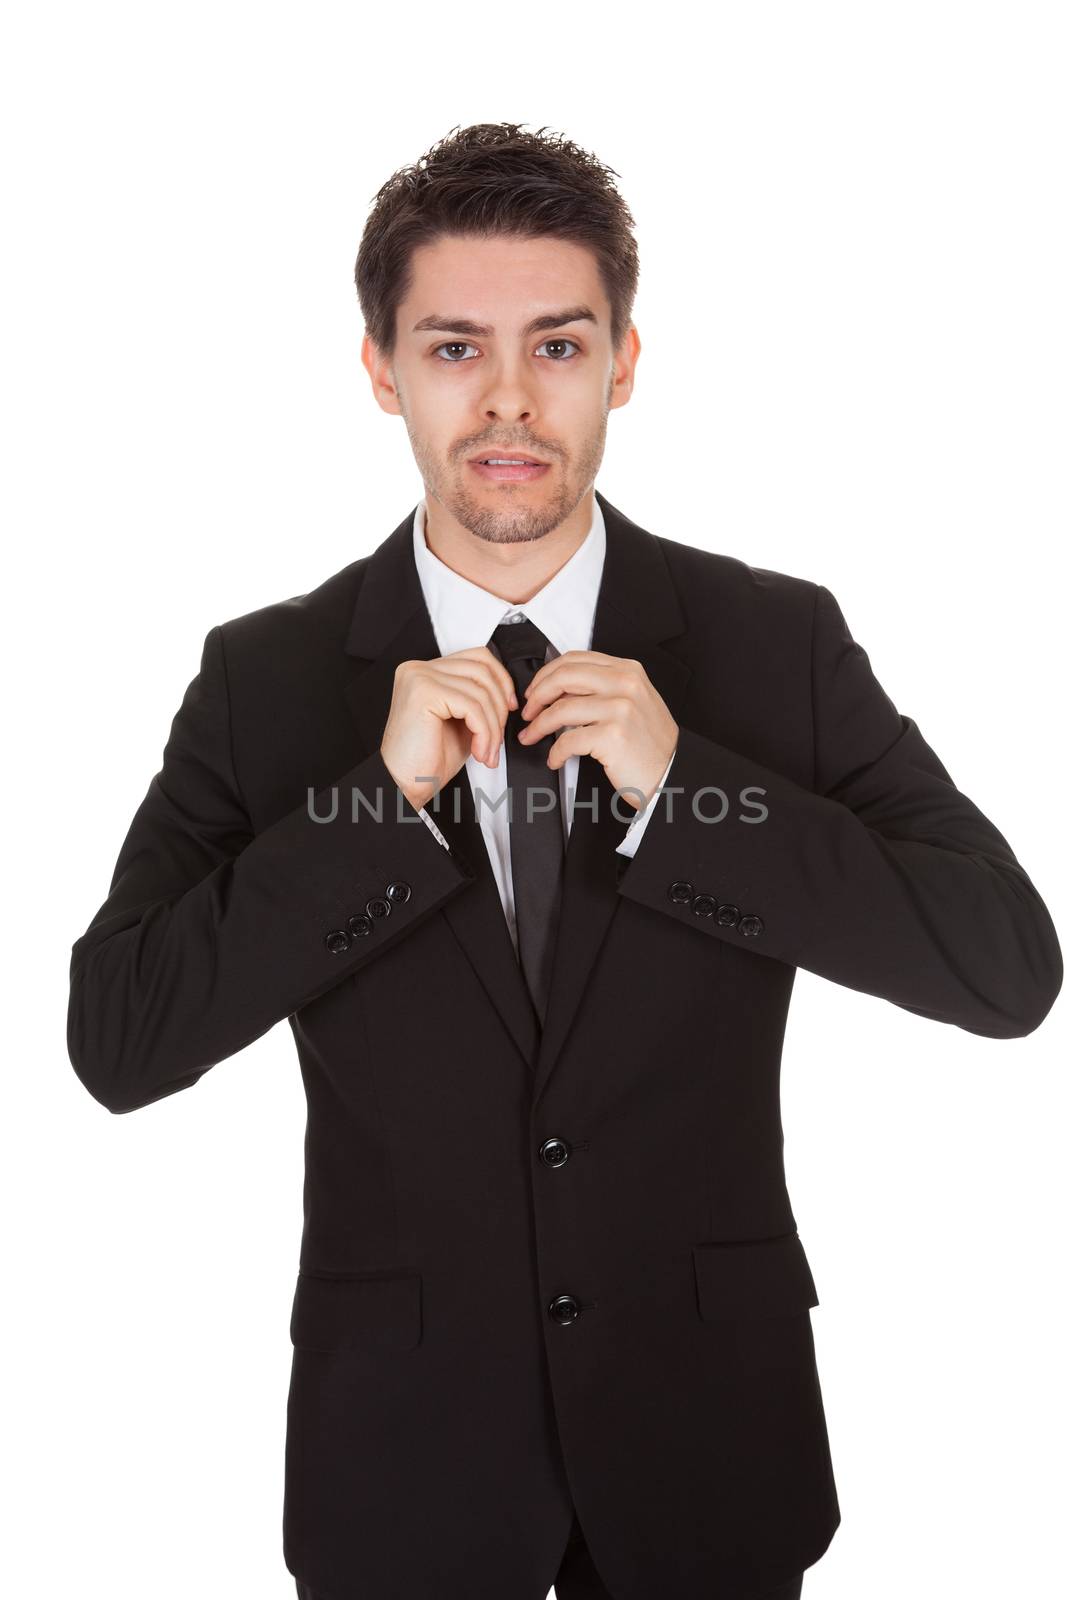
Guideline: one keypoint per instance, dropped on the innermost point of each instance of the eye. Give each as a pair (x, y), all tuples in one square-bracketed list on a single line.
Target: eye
[(459, 344), (455, 344), (559, 342)]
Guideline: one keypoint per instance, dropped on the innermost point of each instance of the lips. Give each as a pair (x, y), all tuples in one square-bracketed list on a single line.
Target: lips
[(509, 460), (514, 469)]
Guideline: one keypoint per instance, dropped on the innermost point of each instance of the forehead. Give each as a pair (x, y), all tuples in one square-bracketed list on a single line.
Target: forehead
[(504, 281)]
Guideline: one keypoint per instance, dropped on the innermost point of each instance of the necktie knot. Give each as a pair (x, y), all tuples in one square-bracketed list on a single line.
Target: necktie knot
[(522, 647)]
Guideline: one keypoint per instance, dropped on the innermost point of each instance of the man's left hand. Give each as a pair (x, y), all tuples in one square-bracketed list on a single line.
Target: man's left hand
[(610, 711)]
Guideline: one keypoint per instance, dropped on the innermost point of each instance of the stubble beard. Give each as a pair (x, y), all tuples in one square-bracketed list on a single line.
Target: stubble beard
[(510, 520)]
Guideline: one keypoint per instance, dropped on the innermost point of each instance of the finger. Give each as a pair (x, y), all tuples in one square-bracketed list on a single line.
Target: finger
[(484, 666), (496, 717), (576, 677), (575, 658), (577, 711), (467, 701), (569, 710), (499, 672), (481, 719), (575, 742), (474, 671)]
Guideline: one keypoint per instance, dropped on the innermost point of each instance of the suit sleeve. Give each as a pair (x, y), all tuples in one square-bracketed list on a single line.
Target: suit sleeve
[(212, 933), (882, 876)]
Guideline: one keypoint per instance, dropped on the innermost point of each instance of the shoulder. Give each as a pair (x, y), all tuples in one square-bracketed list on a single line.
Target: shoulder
[(318, 619), (710, 582)]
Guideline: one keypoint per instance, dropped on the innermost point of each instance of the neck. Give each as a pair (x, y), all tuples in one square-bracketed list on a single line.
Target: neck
[(516, 571)]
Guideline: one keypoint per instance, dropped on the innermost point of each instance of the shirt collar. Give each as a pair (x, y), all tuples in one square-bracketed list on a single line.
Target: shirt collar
[(464, 614)]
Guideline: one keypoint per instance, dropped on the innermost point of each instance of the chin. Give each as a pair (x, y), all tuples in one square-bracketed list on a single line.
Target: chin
[(507, 520)]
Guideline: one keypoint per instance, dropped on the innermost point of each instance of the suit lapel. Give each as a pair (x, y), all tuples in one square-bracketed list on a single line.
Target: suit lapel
[(636, 608), (390, 624)]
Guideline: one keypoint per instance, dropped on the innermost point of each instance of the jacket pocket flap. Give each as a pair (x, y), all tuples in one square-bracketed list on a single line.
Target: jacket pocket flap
[(357, 1311), (756, 1278)]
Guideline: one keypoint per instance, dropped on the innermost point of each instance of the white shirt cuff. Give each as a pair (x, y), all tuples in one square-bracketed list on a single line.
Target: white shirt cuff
[(633, 835), (431, 824)]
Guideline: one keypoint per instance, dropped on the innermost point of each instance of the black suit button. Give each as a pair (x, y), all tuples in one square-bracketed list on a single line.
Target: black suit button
[(727, 916), (680, 892), (399, 892), (359, 926), (554, 1152), (379, 906), (702, 905), (750, 925), (337, 942), (563, 1309)]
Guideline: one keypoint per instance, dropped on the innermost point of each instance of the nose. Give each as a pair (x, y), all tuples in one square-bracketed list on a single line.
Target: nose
[(508, 398)]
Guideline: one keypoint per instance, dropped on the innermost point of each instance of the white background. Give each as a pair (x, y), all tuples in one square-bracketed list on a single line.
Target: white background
[(852, 311)]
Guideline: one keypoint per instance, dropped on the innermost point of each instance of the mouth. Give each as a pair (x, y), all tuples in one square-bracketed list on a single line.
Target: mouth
[(507, 468)]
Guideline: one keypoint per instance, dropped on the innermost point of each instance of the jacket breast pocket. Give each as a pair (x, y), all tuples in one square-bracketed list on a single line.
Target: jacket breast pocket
[(754, 1278), (363, 1312)]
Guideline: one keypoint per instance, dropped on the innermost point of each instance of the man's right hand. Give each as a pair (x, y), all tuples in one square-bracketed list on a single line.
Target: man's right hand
[(443, 711)]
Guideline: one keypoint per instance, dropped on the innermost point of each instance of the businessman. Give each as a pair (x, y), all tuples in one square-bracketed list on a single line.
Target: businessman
[(524, 822)]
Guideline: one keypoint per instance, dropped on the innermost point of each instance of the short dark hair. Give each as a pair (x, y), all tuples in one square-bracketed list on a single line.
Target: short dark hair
[(492, 179)]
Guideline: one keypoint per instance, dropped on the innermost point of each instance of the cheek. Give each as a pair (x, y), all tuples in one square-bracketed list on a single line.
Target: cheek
[(438, 412)]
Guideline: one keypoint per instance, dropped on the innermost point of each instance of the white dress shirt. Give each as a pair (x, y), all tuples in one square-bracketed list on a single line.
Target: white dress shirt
[(465, 615)]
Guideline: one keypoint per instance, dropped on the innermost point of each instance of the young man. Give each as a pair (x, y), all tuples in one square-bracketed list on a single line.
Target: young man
[(524, 822)]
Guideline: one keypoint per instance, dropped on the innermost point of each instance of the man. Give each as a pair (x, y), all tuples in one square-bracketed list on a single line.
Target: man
[(551, 1323)]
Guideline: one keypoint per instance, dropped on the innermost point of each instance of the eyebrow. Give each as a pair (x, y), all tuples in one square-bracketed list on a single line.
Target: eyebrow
[(479, 330)]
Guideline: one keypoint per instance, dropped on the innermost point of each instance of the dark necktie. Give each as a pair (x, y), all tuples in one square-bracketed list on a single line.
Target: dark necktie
[(537, 824)]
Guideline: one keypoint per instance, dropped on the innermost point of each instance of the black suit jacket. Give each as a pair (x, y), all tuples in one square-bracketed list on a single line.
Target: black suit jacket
[(544, 1272)]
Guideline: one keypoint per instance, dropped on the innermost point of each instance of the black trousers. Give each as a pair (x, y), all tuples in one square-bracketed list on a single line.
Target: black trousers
[(578, 1579)]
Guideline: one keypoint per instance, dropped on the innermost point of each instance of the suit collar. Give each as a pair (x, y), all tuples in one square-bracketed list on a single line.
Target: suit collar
[(637, 608), (635, 581)]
